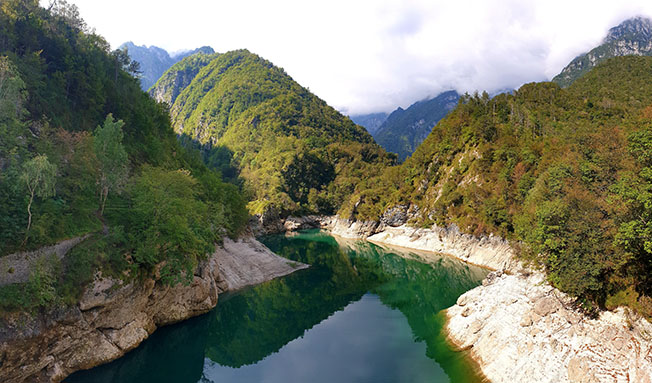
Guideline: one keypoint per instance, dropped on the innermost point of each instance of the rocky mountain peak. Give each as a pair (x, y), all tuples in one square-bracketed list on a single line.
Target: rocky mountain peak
[(635, 29), (631, 37)]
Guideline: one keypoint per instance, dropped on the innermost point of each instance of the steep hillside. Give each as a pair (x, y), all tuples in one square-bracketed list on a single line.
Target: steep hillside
[(631, 37), (371, 122), (566, 171), (404, 130), (295, 153), (84, 151), (179, 76), (154, 61)]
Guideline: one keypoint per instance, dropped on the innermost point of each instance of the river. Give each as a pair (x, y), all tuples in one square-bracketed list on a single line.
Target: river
[(360, 313)]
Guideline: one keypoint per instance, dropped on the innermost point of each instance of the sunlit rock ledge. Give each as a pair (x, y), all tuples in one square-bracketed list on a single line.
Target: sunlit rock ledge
[(488, 251), (520, 329)]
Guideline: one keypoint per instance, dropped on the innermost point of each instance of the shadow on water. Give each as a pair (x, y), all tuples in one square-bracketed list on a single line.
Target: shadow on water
[(250, 326)]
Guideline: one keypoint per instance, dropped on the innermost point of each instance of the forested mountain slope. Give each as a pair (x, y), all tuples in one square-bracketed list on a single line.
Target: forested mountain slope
[(404, 130), (566, 171), (179, 76), (84, 150), (294, 153), (631, 37)]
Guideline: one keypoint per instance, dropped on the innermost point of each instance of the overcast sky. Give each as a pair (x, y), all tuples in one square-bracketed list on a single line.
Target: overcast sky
[(366, 56)]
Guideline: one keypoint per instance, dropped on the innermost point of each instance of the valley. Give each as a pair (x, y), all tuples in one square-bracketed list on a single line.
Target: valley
[(202, 216)]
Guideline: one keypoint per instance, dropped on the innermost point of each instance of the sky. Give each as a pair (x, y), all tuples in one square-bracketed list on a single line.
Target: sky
[(365, 56)]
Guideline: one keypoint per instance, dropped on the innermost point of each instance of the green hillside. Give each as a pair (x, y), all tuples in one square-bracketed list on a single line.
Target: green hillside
[(179, 76), (84, 150), (294, 153), (566, 171)]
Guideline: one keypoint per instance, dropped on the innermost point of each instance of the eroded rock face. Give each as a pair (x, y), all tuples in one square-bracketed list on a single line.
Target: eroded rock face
[(489, 251), (520, 329), (114, 317), (351, 229)]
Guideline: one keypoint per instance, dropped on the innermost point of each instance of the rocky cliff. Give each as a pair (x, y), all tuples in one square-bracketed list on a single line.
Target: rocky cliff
[(114, 317), (520, 329)]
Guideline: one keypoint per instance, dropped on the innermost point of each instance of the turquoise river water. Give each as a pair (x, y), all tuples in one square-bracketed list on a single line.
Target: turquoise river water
[(360, 313)]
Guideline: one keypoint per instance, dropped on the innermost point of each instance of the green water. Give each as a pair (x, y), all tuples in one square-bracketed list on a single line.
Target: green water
[(360, 313)]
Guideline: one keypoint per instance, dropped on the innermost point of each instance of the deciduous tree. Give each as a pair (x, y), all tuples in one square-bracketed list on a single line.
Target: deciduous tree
[(39, 177), (111, 156)]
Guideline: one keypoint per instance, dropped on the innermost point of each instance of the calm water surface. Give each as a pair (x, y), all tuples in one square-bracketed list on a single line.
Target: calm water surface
[(361, 313)]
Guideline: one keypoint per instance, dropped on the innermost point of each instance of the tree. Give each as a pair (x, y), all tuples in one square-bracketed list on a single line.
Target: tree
[(111, 156), (123, 61), (39, 176), (169, 224)]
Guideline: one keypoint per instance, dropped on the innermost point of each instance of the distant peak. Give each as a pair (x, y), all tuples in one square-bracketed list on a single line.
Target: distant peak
[(636, 28)]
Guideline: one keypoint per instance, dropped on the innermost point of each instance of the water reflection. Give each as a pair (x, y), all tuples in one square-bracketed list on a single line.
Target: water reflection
[(360, 313)]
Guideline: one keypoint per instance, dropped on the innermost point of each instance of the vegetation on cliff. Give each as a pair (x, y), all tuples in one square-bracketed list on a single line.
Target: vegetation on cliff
[(84, 150), (565, 171), (293, 152)]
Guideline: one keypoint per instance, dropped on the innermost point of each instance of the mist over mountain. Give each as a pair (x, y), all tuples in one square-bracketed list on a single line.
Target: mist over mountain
[(631, 37), (371, 122)]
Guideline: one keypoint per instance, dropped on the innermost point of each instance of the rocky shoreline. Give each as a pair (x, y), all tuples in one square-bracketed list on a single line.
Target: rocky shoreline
[(114, 317), (520, 329)]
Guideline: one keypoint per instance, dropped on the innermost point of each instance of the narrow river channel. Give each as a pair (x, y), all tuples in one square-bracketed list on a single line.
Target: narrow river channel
[(360, 313)]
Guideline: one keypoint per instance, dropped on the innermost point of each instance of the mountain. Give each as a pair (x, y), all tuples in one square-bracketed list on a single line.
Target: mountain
[(154, 61), (404, 130), (293, 152), (371, 122), (565, 172), (631, 37), (179, 76)]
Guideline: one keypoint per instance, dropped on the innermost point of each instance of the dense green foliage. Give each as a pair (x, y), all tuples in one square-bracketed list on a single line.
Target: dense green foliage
[(111, 158), (250, 115), (566, 171), (168, 87), (405, 130), (59, 82)]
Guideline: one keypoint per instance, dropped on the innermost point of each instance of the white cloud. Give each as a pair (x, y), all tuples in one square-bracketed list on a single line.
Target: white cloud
[(373, 55)]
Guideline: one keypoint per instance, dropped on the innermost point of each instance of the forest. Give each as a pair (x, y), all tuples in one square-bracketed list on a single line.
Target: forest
[(565, 173), (82, 146), (291, 152)]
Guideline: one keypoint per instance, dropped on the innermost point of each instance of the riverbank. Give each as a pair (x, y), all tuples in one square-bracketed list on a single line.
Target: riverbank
[(520, 329), (114, 317), (517, 327), (488, 251)]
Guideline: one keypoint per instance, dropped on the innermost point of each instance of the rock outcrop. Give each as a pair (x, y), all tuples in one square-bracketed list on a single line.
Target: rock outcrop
[(520, 329), (488, 251), (114, 317)]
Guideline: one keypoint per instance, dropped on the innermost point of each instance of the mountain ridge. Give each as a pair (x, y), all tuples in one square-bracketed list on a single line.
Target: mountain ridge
[(631, 37), (405, 129), (154, 61)]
